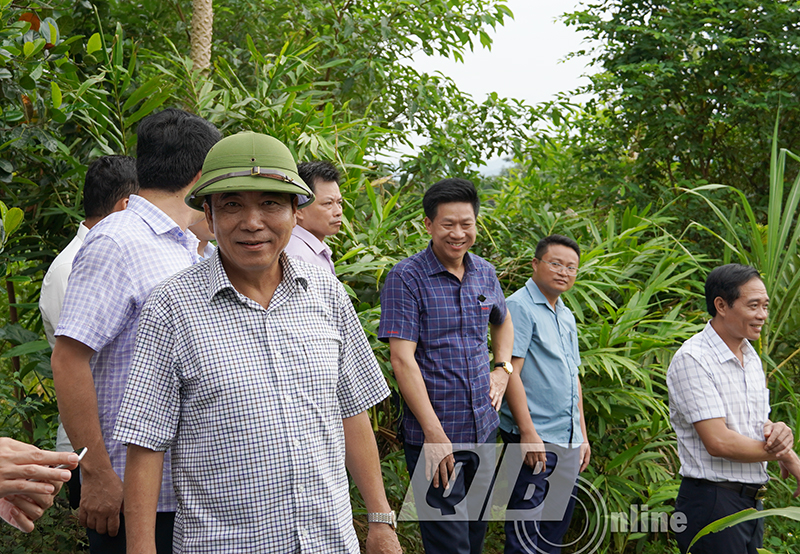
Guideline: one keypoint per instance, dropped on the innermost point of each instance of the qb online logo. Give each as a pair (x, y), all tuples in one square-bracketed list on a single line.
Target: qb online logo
[(482, 483)]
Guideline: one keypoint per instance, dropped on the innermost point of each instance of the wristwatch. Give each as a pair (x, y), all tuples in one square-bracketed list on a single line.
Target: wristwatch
[(377, 517), (507, 367)]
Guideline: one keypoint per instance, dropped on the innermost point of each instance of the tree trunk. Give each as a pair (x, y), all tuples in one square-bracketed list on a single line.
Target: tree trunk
[(202, 30)]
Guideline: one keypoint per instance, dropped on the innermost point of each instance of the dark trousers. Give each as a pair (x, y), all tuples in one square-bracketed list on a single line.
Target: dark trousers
[(702, 502), (106, 544), (449, 537), (524, 537)]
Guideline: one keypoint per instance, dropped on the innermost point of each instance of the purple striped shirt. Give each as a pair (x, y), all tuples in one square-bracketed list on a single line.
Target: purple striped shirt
[(122, 260)]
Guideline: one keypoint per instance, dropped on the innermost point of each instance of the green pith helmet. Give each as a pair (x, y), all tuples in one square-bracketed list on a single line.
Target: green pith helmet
[(249, 162)]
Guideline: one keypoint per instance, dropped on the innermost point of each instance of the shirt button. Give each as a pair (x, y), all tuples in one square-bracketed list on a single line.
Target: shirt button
[(296, 443), (278, 356), (301, 489)]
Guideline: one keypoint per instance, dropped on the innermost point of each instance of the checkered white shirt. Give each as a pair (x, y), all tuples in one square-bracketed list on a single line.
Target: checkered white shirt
[(250, 401), (122, 259), (706, 381)]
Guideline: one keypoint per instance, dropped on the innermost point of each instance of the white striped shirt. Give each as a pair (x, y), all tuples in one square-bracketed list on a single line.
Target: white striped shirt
[(706, 381)]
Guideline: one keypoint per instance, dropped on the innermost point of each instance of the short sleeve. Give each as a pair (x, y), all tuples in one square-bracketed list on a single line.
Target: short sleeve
[(523, 328), (361, 384), (150, 409), (399, 310), (692, 391), (100, 297), (54, 287)]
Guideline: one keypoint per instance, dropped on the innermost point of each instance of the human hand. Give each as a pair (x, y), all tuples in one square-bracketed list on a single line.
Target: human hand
[(439, 460), (779, 438), (498, 381), (382, 539), (101, 500), (33, 506), (586, 455), (24, 469), (12, 515), (790, 465), (533, 451)]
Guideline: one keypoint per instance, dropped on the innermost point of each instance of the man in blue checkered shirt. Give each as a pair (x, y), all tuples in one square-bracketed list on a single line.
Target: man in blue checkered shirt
[(436, 307), (252, 369), (122, 259)]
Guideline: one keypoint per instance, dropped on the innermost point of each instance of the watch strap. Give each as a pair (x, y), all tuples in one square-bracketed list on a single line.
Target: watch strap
[(378, 517)]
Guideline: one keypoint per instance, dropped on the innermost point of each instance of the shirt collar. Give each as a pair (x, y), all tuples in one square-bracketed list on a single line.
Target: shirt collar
[(725, 354), (219, 281), (539, 298), (435, 266), (83, 230), (158, 221), (313, 242)]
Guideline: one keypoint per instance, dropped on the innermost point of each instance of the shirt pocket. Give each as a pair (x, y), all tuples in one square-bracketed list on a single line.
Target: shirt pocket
[(319, 366)]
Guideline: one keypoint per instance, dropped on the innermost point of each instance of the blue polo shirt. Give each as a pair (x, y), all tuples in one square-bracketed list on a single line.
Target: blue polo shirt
[(424, 303), (548, 340)]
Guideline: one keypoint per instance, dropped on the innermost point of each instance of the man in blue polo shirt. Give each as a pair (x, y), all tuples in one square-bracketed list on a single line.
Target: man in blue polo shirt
[(543, 403), (435, 310)]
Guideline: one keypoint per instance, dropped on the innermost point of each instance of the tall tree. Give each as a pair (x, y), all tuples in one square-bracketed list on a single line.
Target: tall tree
[(689, 89)]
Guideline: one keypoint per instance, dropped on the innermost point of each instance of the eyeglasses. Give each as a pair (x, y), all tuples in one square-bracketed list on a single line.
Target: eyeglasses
[(556, 267)]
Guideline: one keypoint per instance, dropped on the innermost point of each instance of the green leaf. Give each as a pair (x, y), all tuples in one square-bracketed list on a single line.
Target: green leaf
[(12, 220), (93, 44), (740, 517), (55, 93), (27, 49), (27, 348)]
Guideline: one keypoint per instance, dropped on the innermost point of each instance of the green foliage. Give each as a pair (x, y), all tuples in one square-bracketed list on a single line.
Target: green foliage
[(740, 517), (771, 248), (686, 92), (688, 88)]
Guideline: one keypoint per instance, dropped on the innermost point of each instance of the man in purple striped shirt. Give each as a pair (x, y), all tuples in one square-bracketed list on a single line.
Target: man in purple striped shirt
[(435, 310), (123, 258)]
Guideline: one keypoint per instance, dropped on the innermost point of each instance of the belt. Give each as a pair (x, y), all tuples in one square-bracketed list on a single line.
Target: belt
[(756, 492)]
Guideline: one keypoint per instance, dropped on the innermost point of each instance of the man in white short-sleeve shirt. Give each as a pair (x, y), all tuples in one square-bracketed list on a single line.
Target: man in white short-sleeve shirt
[(719, 408)]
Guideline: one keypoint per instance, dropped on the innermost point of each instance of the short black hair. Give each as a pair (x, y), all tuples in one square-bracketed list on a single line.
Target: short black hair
[(311, 171), (450, 190), (172, 146), (544, 245), (725, 282), (108, 180)]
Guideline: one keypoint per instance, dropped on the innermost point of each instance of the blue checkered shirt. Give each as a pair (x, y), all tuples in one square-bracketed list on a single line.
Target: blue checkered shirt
[(123, 258), (547, 339), (706, 381), (250, 401), (448, 319)]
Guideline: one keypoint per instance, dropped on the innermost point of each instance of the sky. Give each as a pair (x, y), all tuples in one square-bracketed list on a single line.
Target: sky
[(526, 60)]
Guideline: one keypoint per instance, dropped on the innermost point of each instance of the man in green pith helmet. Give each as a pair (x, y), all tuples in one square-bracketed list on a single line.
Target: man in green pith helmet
[(253, 370)]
